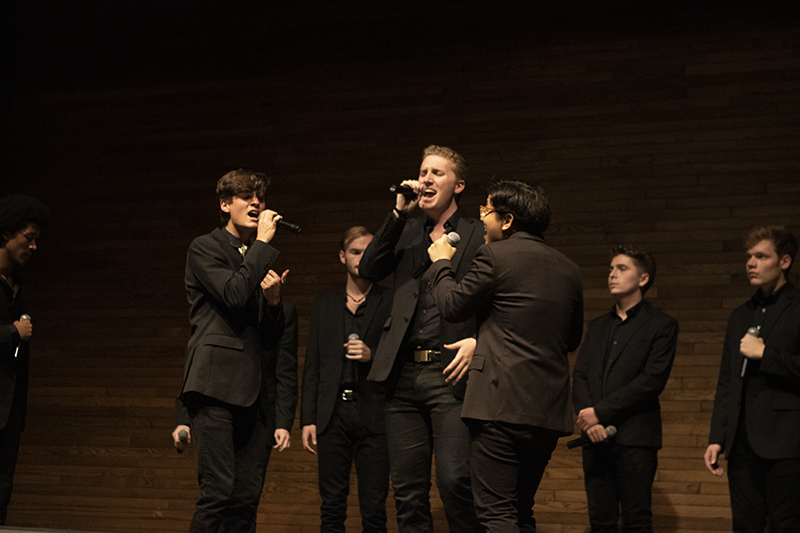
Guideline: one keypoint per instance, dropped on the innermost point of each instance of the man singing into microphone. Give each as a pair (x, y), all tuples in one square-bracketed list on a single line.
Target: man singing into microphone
[(230, 384), (21, 220), (422, 357), (342, 413), (528, 299), (622, 368), (756, 417)]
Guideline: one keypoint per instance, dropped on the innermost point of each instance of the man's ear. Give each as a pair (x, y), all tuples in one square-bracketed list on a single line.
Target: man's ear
[(341, 257), (508, 221), (460, 186), (644, 279), (224, 205), (785, 262)]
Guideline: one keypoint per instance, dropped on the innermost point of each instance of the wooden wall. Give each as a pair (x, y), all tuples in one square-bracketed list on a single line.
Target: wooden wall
[(672, 126)]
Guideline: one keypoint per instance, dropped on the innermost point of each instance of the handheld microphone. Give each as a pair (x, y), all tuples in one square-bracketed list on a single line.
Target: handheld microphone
[(16, 351), (183, 436), (755, 331), (353, 337), (405, 190), (289, 226), (452, 239), (585, 440)]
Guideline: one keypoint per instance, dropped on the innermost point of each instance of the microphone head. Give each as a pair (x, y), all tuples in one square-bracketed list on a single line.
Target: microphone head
[(183, 435), (453, 238), (353, 337), (25, 317), (611, 431), (754, 332)]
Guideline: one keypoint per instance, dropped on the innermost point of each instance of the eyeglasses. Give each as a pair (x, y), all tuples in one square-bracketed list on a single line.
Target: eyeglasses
[(483, 210)]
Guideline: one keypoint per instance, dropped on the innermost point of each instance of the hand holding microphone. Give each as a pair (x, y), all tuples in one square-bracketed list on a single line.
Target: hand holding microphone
[(586, 440), (408, 195), (25, 330), (443, 248), (356, 349), (181, 438), (751, 346)]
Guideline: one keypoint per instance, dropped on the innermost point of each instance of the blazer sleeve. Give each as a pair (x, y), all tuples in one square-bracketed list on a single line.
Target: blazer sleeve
[(458, 302), (380, 258), (581, 395), (722, 398), (649, 383), (782, 361), (308, 405), (286, 372)]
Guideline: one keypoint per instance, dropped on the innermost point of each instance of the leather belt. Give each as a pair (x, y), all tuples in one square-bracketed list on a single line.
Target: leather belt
[(347, 395), (427, 356)]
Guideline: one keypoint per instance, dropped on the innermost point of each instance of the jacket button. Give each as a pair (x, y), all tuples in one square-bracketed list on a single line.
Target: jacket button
[(405, 319)]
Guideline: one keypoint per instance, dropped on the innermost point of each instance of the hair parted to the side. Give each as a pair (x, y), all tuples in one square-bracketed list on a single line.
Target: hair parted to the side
[(783, 239), (643, 260), (240, 182), (352, 234), (528, 204), (17, 212), (459, 165)]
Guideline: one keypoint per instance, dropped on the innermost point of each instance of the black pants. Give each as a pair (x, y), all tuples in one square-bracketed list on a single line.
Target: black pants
[(619, 476), (762, 488), (233, 446), (344, 441), (423, 419), (9, 449), (508, 461)]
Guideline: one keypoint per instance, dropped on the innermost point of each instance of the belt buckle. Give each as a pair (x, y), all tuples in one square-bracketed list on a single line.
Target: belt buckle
[(424, 356), (348, 395)]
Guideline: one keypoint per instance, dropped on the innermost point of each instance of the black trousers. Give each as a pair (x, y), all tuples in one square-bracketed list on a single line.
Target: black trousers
[(9, 449), (508, 461), (619, 476), (233, 446), (763, 488), (344, 441)]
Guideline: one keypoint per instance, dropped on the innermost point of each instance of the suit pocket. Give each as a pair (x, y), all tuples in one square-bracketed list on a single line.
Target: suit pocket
[(223, 341), (477, 363), (388, 324)]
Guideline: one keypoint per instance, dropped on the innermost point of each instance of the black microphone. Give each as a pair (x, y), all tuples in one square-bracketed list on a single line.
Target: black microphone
[(183, 436), (289, 226), (755, 331), (405, 190), (585, 440), (452, 240)]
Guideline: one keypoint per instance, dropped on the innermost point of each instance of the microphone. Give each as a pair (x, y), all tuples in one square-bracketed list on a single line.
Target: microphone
[(289, 226), (183, 436), (405, 190), (23, 317), (452, 240), (353, 337), (755, 331), (585, 440)]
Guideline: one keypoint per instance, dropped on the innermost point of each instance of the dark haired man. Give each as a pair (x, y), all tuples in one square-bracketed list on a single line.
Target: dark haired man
[(756, 417), (420, 356), (240, 400), (528, 299), (622, 368), (21, 220), (342, 413)]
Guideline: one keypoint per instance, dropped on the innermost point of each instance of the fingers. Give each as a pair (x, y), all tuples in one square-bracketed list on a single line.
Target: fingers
[(282, 439)]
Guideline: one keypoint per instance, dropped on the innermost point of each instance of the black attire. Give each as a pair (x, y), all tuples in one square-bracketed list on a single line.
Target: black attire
[(756, 419), (621, 370), (240, 382), (347, 410), (13, 388), (423, 412)]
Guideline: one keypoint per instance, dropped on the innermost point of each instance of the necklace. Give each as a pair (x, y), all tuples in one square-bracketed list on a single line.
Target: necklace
[(356, 300)]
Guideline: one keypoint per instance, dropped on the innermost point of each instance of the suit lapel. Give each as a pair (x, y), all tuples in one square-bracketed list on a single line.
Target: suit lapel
[(624, 336), (465, 230), (774, 316), (232, 253), (335, 327), (372, 303)]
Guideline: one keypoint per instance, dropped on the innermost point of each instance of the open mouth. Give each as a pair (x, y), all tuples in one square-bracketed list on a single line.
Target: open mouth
[(253, 213)]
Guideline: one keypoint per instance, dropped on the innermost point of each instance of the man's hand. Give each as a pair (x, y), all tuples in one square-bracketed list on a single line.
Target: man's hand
[(406, 205), (282, 439), (357, 350), (752, 347), (310, 437), (25, 329), (459, 366), (711, 458), (267, 224), (587, 418), (271, 286), (181, 445), (597, 433), (441, 249)]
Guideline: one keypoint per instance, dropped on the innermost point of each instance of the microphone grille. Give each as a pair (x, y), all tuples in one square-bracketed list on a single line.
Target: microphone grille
[(612, 430), (453, 238), (353, 337), (754, 331)]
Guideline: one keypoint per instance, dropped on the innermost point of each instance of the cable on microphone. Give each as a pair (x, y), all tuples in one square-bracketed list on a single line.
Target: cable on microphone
[(289, 226), (755, 331), (585, 440), (452, 239)]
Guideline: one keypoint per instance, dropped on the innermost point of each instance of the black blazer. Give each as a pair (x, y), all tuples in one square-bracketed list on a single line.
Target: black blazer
[(625, 393), (773, 415), (325, 357), (398, 248), (13, 371), (232, 326), (528, 298)]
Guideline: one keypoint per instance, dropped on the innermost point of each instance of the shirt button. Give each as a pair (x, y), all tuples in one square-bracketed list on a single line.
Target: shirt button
[(763, 309)]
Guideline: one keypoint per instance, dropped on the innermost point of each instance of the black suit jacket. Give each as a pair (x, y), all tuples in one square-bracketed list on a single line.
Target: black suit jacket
[(528, 298), (325, 358), (773, 414), (398, 248), (232, 327), (13, 371), (625, 393)]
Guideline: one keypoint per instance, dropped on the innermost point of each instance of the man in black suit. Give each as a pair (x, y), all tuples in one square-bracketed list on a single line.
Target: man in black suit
[(342, 413), (622, 368), (21, 220), (421, 356), (236, 316), (528, 299), (756, 417)]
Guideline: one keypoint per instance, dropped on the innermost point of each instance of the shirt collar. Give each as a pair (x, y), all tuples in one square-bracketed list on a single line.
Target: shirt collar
[(450, 225), (760, 300), (235, 242)]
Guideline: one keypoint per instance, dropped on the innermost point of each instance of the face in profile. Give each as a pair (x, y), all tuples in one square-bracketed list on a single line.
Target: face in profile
[(20, 247), (492, 223), (764, 267), (624, 277)]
